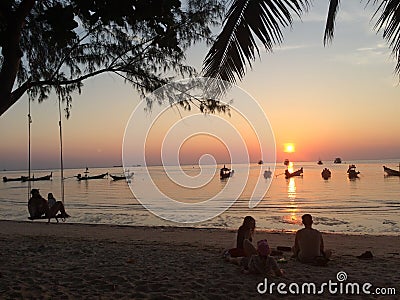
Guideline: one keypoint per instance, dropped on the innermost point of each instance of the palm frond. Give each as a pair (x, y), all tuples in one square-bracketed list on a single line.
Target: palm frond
[(248, 20), (330, 20), (388, 20)]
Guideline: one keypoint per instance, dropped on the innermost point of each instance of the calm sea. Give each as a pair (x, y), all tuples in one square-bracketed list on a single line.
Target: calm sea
[(370, 204)]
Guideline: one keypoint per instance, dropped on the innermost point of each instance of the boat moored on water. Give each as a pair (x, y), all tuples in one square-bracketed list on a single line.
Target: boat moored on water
[(87, 177), (126, 176), (225, 172), (299, 172), (268, 173), (47, 177), (320, 162), (22, 178), (326, 173), (337, 160), (391, 172), (352, 172)]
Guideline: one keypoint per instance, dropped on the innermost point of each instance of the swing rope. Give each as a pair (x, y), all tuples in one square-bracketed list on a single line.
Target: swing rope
[(61, 151), (29, 147)]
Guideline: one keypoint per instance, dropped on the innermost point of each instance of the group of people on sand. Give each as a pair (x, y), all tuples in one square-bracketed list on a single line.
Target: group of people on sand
[(308, 248), (39, 206)]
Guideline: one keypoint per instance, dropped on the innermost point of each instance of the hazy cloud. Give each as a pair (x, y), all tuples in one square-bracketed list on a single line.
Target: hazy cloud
[(291, 47), (378, 54)]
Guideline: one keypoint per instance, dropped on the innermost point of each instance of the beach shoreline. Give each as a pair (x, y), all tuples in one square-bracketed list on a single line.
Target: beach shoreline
[(95, 261)]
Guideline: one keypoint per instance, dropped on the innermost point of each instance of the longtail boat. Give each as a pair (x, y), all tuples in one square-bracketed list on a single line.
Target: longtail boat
[(352, 173), (391, 172), (86, 177), (22, 178), (47, 177), (121, 177), (337, 160), (288, 175), (326, 173), (225, 172), (268, 173)]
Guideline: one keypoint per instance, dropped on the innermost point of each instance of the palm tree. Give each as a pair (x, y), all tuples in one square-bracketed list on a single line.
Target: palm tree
[(248, 20)]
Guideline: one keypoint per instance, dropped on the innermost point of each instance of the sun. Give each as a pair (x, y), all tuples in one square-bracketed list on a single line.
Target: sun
[(289, 148)]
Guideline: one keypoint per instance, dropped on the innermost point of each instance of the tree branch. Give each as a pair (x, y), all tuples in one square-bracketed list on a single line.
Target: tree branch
[(12, 54)]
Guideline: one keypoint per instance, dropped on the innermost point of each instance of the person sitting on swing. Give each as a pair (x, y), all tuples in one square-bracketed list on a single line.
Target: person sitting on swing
[(38, 206), (55, 207)]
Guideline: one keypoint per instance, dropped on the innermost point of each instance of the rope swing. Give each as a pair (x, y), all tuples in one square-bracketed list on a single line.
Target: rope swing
[(29, 147), (37, 206), (61, 151)]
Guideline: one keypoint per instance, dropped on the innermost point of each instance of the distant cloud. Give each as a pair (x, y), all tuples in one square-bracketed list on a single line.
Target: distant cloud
[(378, 48), (312, 16), (355, 15), (292, 47), (379, 54), (282, 47)]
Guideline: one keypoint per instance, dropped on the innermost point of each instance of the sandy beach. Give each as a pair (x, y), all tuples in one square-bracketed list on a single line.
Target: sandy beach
[(78, 261)]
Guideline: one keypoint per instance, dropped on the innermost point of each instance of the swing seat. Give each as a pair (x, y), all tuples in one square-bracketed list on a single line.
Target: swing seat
[(59, 216)]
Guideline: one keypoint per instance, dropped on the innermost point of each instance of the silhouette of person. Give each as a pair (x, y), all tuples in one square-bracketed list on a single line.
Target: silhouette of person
[(309, 244)]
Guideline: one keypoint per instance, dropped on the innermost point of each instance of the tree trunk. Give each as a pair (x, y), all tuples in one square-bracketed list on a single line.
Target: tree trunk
[(12, 54)]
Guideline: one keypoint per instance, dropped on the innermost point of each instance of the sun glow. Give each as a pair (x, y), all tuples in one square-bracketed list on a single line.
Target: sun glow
[(289, 148)]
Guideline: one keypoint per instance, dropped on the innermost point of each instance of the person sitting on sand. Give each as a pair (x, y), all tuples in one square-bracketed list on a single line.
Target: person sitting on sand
[(260, 263), (244, 246), (309, 244)]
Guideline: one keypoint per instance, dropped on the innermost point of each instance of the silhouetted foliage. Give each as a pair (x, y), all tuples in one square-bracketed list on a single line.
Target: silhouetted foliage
[(55, 45), (248, 20)]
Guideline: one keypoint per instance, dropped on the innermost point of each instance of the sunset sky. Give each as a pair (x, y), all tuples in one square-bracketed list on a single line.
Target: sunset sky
[(341, 100)]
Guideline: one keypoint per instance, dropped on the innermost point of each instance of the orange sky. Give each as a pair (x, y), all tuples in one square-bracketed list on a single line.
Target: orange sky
[(341, 100)]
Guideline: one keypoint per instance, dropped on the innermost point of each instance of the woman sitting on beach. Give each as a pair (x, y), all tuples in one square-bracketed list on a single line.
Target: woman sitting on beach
[(259, 263), (244, 246)]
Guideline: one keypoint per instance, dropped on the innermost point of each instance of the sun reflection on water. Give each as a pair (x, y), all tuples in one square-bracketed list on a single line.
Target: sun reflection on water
[(292, 208), (292, 189)]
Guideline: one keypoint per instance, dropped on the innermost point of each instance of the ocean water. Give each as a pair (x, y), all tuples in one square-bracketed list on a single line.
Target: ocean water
[(370, 204)]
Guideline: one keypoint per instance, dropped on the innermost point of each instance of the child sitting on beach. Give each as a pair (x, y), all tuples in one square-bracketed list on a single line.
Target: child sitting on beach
[(260, 263)]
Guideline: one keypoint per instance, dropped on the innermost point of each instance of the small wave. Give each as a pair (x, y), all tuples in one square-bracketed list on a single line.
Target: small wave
[(389, 222), (330, 221)]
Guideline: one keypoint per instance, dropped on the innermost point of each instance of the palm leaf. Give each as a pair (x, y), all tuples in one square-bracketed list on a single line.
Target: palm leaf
[(330, 20), (388, 20), (246, 20)]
